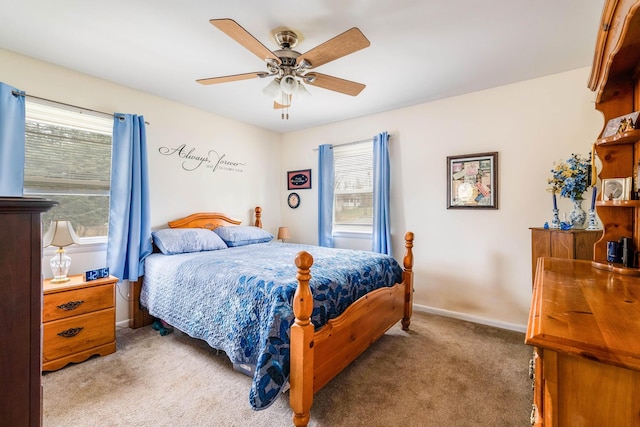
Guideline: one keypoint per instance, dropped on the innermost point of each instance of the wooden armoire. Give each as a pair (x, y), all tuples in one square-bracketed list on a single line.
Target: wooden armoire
[(21, 310)]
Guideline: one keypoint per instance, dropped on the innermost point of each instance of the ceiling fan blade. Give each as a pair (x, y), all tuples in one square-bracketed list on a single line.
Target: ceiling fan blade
[(242, 36), (343, 44), (336, 84), (233, 78)]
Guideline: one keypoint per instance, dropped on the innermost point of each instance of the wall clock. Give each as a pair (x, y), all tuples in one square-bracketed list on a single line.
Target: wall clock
[(293, 200)]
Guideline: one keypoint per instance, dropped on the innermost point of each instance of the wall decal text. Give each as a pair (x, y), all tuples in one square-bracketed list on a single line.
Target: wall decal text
[(191, 160)]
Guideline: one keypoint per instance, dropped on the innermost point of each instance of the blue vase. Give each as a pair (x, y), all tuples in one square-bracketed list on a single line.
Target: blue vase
[(577, 215)]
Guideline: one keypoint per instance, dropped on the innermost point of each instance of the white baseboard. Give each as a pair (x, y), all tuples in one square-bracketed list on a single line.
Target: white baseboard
[(470, 318), (439, 311), (122, 324)]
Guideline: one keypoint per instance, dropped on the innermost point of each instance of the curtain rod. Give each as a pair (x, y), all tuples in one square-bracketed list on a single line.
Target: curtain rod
[(62, 103), (350, 143)]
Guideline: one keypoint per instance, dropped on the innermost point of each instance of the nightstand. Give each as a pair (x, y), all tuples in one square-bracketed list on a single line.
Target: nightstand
[(78, 320)]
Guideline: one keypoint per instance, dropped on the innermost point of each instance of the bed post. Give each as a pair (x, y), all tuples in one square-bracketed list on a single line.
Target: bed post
[(139, 316), (408, 280), (301, 348), (258, 222)]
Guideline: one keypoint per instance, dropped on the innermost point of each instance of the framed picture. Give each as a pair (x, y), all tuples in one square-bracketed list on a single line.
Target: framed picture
[(472, 181), (616, 188), (299, 180), (621, 124)]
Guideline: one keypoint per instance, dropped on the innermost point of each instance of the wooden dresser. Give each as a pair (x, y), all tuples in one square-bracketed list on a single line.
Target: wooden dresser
[(20, 310), (78, 321), (569, 244), (585, 325)]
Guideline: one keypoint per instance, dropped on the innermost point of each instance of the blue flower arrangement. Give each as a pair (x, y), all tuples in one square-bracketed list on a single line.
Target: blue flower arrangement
[(571, 178)]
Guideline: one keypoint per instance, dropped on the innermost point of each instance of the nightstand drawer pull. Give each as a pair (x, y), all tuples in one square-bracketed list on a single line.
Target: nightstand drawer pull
[(71, 332), (71, 305)]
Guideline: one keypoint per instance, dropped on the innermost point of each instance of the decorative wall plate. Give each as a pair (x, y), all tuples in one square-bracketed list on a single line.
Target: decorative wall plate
[(293, 200)]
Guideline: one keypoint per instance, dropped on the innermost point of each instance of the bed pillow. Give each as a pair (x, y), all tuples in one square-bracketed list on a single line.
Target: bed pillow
[(242, 235), (173, 241)]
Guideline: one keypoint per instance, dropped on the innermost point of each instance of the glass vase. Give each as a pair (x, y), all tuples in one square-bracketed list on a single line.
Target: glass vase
[(577, 215)]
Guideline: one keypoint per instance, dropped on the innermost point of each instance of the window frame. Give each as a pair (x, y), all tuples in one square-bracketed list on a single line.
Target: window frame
[(94, 122)]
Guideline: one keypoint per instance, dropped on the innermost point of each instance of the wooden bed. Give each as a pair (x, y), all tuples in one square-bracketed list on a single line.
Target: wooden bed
[(316, 357)]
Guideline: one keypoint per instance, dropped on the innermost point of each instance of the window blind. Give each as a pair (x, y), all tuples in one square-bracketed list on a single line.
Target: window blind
[(353, 185)]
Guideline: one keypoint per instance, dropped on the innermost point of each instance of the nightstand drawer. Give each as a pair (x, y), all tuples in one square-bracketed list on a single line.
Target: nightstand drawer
[(67, 336), (60, 305)]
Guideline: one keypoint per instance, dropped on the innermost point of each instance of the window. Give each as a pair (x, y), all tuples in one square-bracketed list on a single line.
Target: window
[(353, 187), (68, 159)]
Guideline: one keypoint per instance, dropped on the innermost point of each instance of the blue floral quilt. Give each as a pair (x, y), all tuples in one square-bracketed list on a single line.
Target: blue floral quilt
[(240, 299)]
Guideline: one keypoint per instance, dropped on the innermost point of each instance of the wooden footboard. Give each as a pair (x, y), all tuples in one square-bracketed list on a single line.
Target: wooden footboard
[(318, 357)]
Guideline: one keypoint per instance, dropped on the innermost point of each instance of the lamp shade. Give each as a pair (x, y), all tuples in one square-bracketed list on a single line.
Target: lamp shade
[(60, 234), (302, 92), (289, 85), (272, 90), (283, 233)]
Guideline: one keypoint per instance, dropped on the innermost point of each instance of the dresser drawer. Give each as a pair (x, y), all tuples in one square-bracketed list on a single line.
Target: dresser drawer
[(67, 336), (59, 305)]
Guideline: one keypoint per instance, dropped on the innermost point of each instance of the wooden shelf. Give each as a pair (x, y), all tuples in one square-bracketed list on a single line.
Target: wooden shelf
[(629, 137), (619, 203), (616, 268)]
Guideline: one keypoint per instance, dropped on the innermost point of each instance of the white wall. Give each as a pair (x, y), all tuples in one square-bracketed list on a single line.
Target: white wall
[(175, 192), (474, 262)]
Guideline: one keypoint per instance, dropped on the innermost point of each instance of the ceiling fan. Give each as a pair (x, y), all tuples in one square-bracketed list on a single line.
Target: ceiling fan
[(290, 68)]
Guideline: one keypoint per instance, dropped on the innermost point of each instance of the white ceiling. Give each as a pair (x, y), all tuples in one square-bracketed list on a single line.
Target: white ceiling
[(421, 50)]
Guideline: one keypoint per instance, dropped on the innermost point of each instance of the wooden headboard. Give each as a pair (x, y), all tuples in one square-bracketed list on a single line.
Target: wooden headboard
[(210, 220)]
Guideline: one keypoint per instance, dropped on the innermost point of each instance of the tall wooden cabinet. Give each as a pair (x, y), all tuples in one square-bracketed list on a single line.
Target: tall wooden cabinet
[(584, 318), (20, 310)]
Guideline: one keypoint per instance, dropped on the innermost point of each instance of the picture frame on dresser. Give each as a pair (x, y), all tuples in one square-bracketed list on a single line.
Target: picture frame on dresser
[(472, 181), (616, 189), (621, 124)]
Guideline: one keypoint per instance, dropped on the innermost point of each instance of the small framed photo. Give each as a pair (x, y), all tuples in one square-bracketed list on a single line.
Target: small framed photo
[(616, 189), (472, 181), (299, 180), (621, 124)]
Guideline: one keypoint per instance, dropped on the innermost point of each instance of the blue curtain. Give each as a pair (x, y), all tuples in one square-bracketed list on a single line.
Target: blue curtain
[(12, 113), (129, 224), (325, 195), (381, 178)]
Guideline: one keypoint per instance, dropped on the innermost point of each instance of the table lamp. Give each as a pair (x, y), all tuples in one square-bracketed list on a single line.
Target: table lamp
[(60, 234), (283, 233)]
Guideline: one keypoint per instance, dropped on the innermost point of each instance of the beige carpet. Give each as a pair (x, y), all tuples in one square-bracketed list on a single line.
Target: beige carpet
[(444, 372)]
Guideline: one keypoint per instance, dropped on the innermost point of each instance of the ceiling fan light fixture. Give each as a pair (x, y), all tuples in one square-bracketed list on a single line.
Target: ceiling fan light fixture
[(302, 93), (289, 84), (272, 90)]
